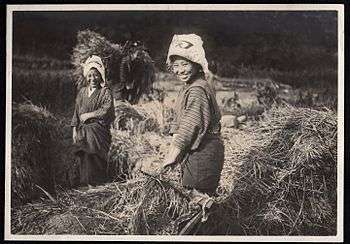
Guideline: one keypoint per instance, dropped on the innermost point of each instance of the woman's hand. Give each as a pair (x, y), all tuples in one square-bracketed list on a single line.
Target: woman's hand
[(168, 164), (84, 117), (171, 160), (74, 134)]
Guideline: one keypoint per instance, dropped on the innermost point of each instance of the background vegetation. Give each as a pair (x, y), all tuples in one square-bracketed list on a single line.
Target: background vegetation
[(295, 48)]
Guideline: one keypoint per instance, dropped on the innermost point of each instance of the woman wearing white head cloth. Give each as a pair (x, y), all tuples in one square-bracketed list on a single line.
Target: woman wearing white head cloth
[(196, 141), (93, 115)]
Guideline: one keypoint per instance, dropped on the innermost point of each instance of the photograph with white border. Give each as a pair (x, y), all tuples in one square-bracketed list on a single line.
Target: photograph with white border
[(175, 122)]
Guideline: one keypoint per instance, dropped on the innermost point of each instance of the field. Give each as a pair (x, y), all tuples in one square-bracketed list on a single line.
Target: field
[(280, 161)]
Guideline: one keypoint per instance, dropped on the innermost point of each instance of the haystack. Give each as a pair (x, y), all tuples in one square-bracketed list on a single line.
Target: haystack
[(134, 119), (103, 210), (42, 157), (286, 184), (91, 43), (130, 71), (129, 153), (144, 117), (35, 133)]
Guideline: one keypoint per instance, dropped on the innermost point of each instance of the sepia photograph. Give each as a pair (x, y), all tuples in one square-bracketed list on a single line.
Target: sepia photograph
[(178, 122)]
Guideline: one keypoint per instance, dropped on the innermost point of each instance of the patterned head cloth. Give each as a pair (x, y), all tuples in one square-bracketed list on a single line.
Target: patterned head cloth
[(189, 46), (95, 62)]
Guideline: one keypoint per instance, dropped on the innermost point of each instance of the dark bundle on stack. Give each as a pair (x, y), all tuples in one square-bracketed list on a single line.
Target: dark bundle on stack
[(137, 72)]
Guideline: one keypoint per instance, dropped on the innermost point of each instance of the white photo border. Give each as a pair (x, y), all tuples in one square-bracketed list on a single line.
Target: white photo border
[(339, 8)]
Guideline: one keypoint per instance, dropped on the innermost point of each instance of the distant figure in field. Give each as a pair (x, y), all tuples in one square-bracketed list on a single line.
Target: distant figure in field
[(231, 103), (92, 118), (266, 93), (305, 98)]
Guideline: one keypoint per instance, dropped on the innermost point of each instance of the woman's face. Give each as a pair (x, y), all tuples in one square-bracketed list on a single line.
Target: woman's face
[(184, 69), (93, 78)]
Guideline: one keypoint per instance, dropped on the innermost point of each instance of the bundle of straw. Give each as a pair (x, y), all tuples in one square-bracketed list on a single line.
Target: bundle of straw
[(134, 119), (286, 184), (146, 205), (91, 43), (161, 204), (103, 210), (137, 73), (35, 151), (161, 112), (129, 70)]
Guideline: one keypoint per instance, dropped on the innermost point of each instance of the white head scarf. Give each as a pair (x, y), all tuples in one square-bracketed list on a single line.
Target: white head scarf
[(95, 62), (189, 46)]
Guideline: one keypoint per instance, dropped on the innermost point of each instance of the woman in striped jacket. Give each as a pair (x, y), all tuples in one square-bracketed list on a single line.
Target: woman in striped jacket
[(197, 144)]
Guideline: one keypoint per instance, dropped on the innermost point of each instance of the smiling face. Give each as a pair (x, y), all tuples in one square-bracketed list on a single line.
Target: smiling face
[(184, 69), (94, 79)]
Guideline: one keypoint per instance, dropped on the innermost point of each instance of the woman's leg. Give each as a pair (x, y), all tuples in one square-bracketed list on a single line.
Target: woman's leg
[(203, 167), (98, 169), (84, 168)]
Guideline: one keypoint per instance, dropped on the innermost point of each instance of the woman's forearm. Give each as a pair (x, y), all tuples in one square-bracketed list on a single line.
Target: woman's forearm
[(85, 116), (174, 156), (92, 114), (74, 134)]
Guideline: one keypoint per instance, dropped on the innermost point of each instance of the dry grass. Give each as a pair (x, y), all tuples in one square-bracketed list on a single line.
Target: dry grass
[(279, 178), (143, 117), (114, 208), (35, 134), (237, 142), (103, 210), (91, 43), (288, 176), (138, 74), (41, 153)]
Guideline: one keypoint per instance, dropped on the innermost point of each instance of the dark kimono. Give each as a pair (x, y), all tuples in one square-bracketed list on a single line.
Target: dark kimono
[(197, 132), (93, 136)]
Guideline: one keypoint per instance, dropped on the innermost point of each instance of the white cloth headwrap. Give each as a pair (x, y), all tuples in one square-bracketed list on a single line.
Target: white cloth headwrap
[(95, 62), (189, 46)]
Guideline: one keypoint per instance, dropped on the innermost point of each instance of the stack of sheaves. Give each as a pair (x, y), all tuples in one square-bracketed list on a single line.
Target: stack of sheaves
[(35, 152), (91, 43), (129, 70), (285, 184)]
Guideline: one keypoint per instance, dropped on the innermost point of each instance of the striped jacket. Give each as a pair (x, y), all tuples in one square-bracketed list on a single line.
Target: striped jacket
[(197, 114)]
